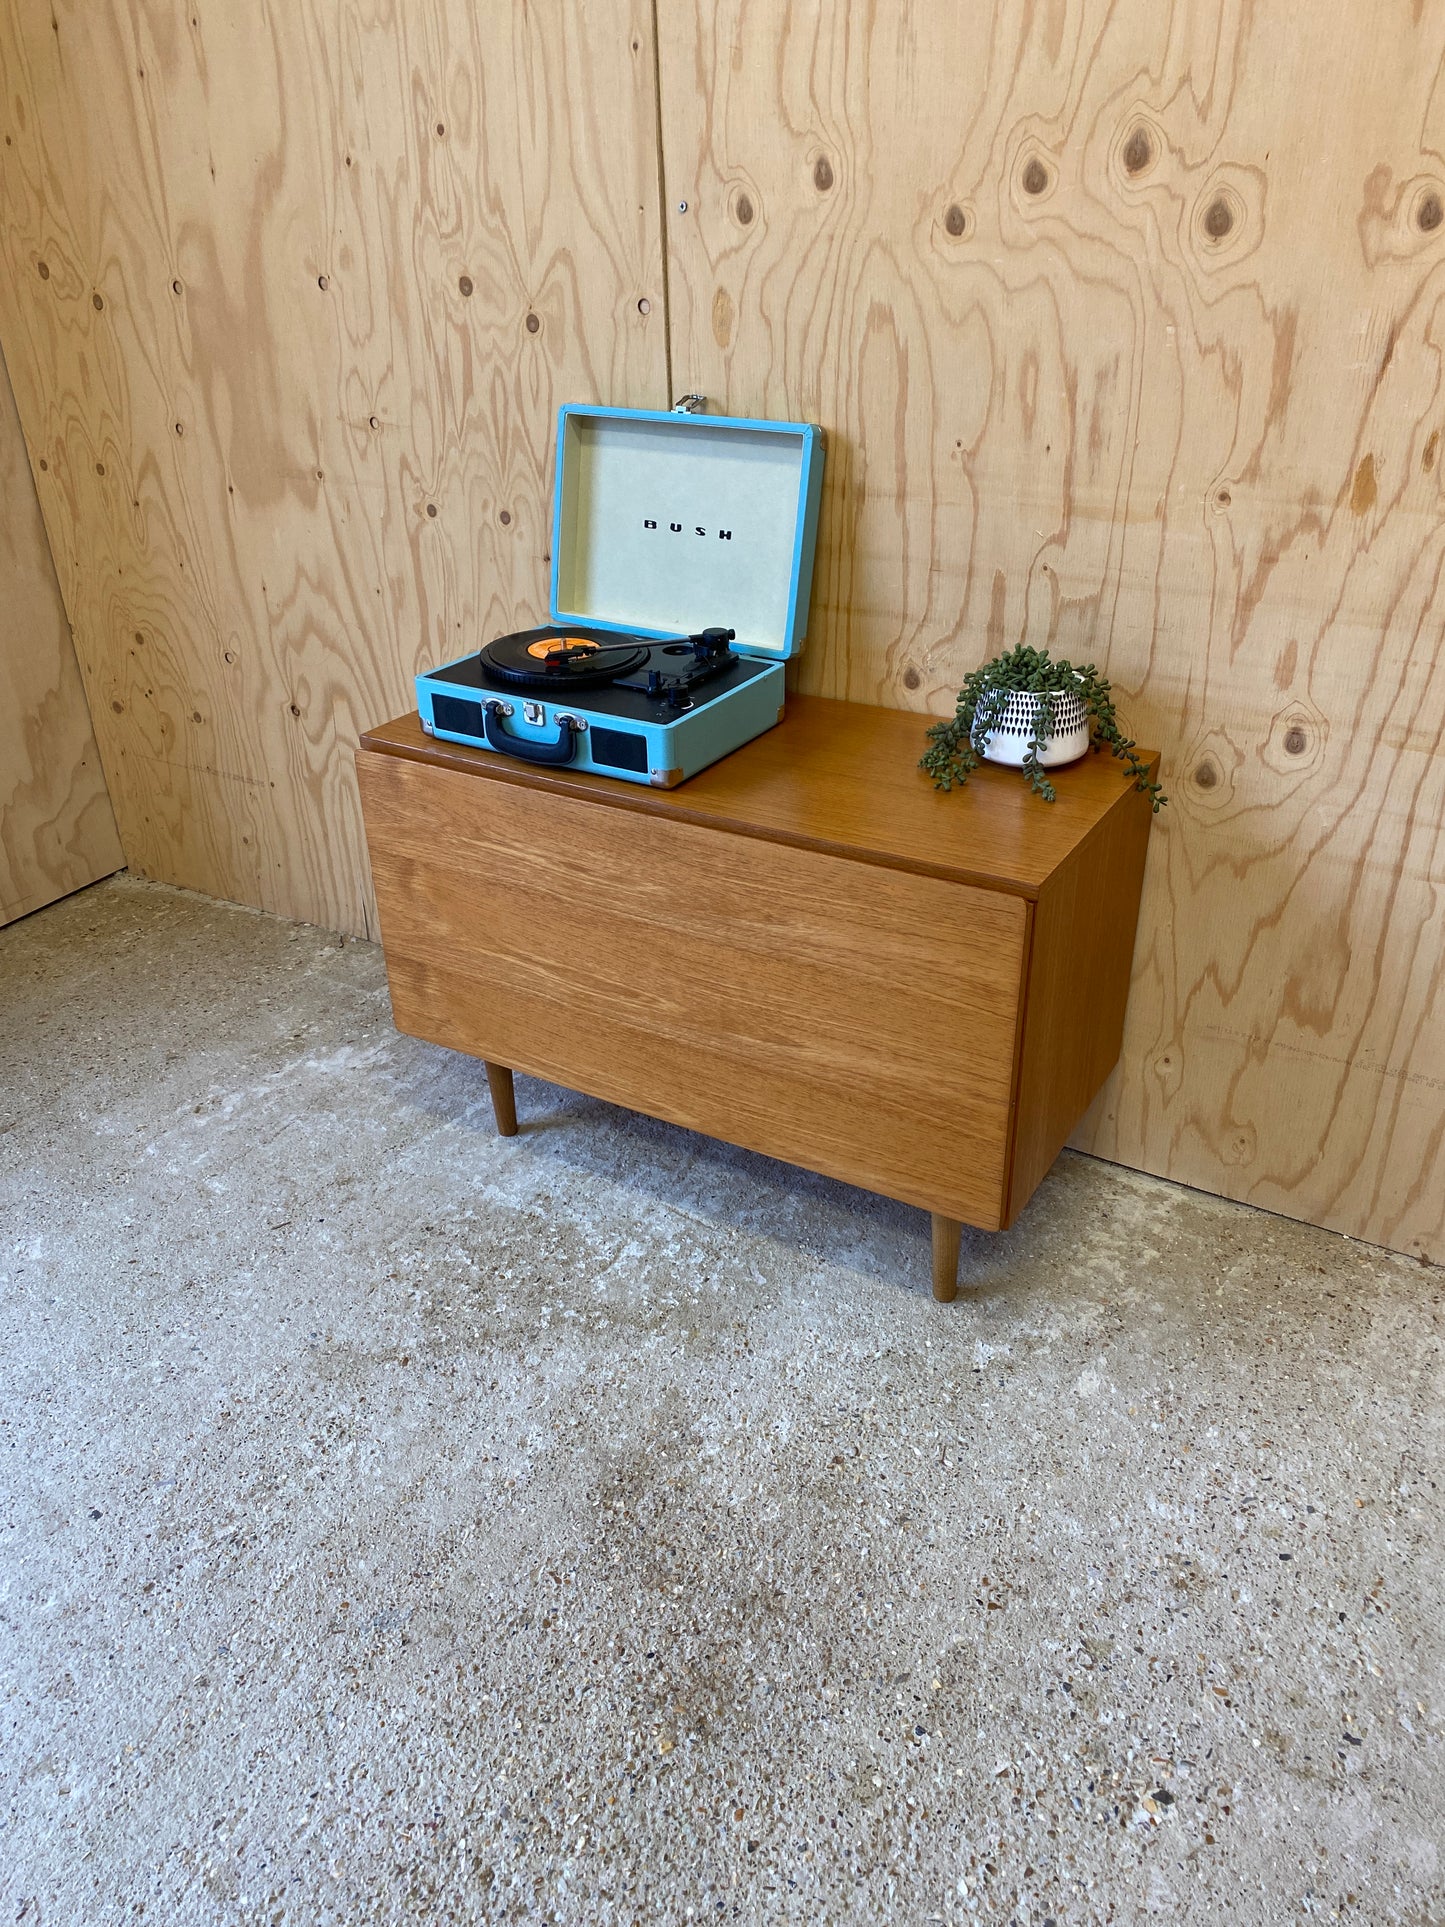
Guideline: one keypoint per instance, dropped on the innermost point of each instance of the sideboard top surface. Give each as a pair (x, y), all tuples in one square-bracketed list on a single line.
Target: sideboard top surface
[(841, 777)]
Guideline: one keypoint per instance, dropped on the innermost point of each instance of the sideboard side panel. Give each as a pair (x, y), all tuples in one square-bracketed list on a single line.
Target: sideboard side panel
[(1077, 989)]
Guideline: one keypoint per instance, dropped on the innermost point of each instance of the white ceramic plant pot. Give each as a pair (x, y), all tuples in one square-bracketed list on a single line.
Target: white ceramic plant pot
[(1008, 740)]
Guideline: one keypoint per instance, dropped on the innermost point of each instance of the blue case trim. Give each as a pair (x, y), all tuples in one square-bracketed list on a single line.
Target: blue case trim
[(675, 751)]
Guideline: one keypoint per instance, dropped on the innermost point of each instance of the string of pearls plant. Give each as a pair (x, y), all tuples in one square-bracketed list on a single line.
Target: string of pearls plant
[(1025, 693)]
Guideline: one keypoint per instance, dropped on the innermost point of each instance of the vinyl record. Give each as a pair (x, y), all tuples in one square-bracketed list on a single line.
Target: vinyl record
[(555, 658)]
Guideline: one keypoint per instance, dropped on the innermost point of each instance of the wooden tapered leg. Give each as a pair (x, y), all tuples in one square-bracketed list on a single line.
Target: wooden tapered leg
[(504, 1099), (946, 1235)]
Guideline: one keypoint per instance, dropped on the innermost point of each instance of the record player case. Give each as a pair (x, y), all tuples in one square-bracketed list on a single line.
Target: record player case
[(805, 950), (682, 557)]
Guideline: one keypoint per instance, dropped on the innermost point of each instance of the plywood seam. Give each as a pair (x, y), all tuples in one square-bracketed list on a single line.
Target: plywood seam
[(57, 824), (109, 774), (663, 209)]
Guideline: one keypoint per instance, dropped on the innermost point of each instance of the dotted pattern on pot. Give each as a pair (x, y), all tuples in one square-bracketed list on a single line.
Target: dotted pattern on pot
[(1020, 711)]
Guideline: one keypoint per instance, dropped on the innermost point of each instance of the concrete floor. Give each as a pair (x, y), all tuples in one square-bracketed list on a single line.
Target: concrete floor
[(606, 1525)]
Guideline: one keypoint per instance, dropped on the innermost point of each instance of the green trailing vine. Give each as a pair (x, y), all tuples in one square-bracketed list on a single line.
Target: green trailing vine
[(957, 744)]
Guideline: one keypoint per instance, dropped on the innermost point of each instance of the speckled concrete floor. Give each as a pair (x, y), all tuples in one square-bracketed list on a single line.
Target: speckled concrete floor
[(606, 1526)]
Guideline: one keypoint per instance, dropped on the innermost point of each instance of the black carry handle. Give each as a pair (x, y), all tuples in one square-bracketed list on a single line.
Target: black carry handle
[(562, 751)]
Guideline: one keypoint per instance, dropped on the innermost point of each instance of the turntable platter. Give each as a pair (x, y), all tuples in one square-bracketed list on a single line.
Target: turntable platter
[(554, 658)]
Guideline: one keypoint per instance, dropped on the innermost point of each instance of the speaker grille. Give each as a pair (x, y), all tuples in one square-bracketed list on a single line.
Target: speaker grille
[(456, 717), (618, 748)]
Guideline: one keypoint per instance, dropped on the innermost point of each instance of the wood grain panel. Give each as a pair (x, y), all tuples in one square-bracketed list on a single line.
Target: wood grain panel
[(854, 1020), (842, 778), (1125, 322), (57, 832), (291, 294)]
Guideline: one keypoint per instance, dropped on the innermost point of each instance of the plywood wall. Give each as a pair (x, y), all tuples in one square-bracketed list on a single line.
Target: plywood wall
[(291, 294), (1126, 323), (1124, 320), (57, 832)]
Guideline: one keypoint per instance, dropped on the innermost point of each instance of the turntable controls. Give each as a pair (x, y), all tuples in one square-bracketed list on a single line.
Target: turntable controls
[(710, 644)]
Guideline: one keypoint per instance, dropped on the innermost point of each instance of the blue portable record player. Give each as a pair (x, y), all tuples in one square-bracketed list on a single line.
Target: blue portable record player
[(682, 563)]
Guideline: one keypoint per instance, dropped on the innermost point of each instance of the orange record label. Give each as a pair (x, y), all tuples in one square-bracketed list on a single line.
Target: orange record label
[(553, 644)]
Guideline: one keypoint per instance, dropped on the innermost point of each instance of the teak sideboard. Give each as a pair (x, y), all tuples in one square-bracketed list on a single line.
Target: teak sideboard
[(806, 950)]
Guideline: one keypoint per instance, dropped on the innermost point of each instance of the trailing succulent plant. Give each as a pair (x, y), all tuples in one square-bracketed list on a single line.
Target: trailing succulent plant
[(958, 743)]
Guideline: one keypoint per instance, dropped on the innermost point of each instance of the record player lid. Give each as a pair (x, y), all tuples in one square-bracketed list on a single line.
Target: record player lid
[(668, 523)]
